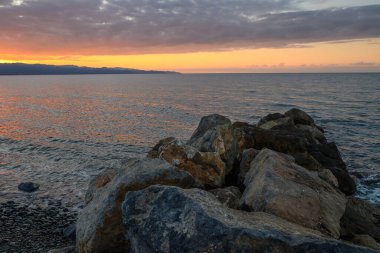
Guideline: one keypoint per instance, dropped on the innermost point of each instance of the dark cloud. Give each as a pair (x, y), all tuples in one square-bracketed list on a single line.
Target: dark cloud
[(152, 26)]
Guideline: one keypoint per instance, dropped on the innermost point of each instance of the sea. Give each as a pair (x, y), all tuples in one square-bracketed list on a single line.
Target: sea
[(60, 131)]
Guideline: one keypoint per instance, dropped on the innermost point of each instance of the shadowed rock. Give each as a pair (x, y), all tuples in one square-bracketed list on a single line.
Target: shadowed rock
[(99, 225), (169, 219), (275, 184), (246, 158), (360, 218)]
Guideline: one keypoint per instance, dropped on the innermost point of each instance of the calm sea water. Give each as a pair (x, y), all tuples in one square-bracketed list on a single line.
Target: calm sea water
[(59, 131)]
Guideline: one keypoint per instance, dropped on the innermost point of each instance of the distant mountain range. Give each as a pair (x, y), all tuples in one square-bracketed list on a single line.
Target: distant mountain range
[(41, 69)]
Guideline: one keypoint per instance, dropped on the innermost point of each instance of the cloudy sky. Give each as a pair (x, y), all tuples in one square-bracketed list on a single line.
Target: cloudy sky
[(194, 35)]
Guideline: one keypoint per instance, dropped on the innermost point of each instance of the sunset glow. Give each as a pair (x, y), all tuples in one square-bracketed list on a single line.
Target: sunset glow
[(188, 36)]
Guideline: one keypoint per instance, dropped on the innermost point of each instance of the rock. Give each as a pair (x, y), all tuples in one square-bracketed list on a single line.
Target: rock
[(70, 249), (170, 219), (305, 143), (329, 157), (315, 132), (366, 241), (283, 121), (229, 196), (209, 122), (70, 231), (28, 187), (299, 117), (276, 185), (99, 226), (100, 181), (247, 157), (362, 218), (207, 168), (329, 177), (154, 153), (270, 117), (307, 161), (214, 134)]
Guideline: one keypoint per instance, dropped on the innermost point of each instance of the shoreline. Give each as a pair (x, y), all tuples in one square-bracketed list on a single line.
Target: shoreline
[(33, 228), (220, 162)]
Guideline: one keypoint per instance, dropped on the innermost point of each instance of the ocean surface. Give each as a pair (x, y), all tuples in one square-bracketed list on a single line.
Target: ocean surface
[(59, 131)]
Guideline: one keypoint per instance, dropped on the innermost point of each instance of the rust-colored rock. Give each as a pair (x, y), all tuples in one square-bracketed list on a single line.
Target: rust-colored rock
[(207, 168)]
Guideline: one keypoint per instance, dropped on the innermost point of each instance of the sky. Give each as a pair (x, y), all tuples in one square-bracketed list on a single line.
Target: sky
[(194, 36)]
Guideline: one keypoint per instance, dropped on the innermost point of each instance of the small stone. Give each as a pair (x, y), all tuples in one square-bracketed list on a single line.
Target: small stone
[(28, 187)]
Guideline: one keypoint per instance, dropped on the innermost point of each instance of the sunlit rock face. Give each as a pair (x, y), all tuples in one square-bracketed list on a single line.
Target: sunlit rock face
[(276, 185), (207, 168), (214, 134)]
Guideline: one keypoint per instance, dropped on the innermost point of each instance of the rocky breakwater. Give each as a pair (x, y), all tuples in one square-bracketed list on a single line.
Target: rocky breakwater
[(278, 186)]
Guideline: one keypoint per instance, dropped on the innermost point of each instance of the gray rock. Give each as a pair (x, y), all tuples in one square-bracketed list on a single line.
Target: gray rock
[(276, 185), (215, 134), (169, 219), (99, 226), (28, 187)]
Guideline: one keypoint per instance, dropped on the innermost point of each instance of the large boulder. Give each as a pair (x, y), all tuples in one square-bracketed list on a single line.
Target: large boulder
[(207, 168), (214, 134), (295, 133), (360, 218), (99, 226), (170, 219), (275, 184)]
